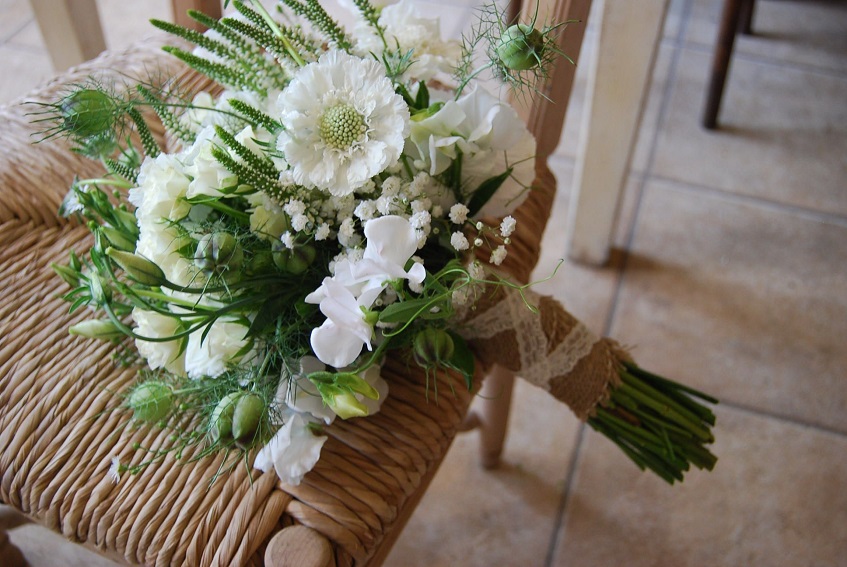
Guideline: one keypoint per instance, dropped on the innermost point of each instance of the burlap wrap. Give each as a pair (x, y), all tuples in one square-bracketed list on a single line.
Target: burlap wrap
[(549, 348)]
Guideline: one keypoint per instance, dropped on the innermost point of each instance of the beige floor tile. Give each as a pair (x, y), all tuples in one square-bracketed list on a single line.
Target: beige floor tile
[(804, 32), (29, 69), (13, 16), (775, 499), (782, 135), (43, 548), (473, 517), (744, 301), (28, 36)]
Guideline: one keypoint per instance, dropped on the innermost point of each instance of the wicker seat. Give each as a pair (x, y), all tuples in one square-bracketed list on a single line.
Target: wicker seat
[(58, 432)]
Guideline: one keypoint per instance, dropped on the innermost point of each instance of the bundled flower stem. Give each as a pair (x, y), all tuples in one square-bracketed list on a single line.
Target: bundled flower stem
[(657, 422)]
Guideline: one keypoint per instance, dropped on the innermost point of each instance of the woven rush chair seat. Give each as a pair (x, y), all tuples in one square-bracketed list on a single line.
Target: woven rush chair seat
[(61, 422)]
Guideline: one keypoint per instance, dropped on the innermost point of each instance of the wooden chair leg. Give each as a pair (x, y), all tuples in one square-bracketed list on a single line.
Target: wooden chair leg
[(720, 62), (745, 24), (492, 416)]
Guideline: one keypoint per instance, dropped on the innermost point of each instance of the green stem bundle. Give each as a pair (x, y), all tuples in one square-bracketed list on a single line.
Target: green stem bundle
[(658, 423)]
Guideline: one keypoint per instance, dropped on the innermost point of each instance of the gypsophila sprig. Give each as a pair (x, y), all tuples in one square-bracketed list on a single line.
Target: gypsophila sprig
[(335, 199)]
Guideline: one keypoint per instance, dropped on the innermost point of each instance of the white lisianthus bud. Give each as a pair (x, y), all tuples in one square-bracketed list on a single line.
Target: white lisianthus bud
[(137, 267), (103, 329)]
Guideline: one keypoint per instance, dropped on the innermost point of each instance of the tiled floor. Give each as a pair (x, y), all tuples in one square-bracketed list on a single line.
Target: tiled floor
[(730, 274)]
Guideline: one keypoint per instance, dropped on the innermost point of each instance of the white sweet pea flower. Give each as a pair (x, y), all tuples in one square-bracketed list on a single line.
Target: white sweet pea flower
[(300, 394), (293, 451), (491, 137), (339, 340), (391, 241)]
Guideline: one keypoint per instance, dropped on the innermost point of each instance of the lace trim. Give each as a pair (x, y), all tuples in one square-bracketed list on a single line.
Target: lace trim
[(539, 363)]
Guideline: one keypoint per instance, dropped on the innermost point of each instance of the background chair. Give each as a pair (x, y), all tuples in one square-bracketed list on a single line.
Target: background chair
[(58, 433), (737, 16)]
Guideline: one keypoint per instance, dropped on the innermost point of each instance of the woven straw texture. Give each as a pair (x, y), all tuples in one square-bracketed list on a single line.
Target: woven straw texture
[(59, 430)]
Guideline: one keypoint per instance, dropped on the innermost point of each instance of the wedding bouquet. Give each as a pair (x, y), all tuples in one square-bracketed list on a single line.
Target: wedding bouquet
[(330, 203)]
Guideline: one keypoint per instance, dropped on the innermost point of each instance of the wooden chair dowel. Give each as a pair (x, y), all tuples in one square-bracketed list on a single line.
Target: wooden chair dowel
[(720, 62)]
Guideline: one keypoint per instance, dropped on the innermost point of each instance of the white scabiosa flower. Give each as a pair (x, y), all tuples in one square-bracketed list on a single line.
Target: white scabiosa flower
[(343, 123)]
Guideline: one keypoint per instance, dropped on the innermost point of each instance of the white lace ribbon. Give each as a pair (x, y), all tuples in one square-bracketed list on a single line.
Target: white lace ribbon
[(539, 362)]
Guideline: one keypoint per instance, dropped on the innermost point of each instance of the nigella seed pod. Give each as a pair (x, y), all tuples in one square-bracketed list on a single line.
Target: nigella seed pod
[(218, 253), (220, 424), (295, 260), (247, 416), (151, 401), (521, 47), (433, 346), (87, 113)]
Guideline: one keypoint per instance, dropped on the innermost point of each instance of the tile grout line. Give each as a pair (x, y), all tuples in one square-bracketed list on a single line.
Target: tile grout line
[(773, 205), (557, 539), (763, 413)]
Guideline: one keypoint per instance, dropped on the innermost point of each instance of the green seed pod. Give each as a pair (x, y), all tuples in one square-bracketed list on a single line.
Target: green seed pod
[(137, 267), (151, 401), (261, 263), (220, 424), (294, 261), (521, 47), (87, 113), (218, 253), (247, 416), (103, 329), (433, 346)]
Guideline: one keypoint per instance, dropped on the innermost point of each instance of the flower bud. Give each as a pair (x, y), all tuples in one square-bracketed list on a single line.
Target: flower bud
[(96, 329), (87, 113), (218, 253), (138, 267), (128, 221), (118, 239), (100, 294), (68, 274), (346, 405), (521, 47), (356, 383), (247, 416), (433, 346), (151, 401), (220, 424), (296, 260)]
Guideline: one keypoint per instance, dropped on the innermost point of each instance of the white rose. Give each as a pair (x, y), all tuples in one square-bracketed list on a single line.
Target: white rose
[(165, 355), (210, 357)]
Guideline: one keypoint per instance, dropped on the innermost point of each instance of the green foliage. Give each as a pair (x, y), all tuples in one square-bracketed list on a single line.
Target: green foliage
[(315, 13)]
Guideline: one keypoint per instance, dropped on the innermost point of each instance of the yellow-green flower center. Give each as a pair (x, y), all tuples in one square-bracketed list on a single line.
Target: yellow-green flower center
[(341, 126)]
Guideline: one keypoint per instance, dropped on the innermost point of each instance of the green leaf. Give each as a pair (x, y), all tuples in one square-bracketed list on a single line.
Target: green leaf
[(463, 359), (403, 311), (485, 191), (422, 98), (267, 314)]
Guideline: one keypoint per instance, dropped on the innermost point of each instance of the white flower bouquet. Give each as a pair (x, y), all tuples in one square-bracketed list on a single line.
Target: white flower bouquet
[(325, 206)]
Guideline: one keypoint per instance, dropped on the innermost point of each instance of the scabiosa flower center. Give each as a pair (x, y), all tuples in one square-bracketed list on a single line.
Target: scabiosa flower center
[(341, 126)]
